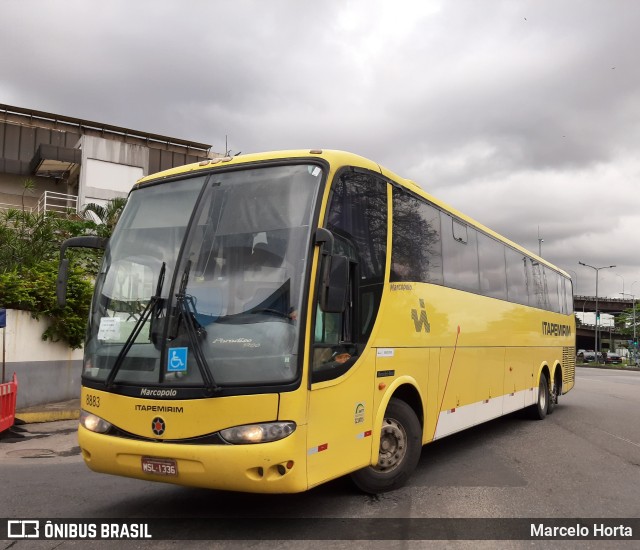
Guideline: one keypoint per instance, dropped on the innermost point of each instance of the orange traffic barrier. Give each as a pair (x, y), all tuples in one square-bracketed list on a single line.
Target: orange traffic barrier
[(8, 394)]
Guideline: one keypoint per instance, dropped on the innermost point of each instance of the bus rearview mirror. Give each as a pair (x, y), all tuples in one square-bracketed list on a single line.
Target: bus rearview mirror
[(84, 241), (333, 298), (61, 282)]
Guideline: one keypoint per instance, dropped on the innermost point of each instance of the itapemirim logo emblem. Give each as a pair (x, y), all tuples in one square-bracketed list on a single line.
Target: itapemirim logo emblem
[(421, 322), (158, 426)]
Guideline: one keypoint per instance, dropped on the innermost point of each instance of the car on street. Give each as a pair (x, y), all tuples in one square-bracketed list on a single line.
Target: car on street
[(589, 356), (612, 358)]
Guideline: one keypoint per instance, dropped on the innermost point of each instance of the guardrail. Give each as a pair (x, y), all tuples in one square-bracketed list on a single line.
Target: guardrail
[(5, 206), (49, 201), (581, 297), (8, 395)]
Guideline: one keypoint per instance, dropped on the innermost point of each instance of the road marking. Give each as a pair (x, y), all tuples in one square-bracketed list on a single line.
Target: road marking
[(625, 381), (620, 438)]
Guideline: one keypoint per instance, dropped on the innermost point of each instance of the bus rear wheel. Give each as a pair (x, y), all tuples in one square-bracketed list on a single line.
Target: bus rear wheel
[(400, 446), (539, 410), (553, 396)]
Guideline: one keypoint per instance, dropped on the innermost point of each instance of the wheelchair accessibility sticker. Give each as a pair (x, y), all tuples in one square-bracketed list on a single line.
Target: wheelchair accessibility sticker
[(177, 360)]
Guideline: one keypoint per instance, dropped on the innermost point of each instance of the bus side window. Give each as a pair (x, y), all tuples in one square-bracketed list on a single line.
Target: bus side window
[(327, 337), (328, 327), (357, 217), (416, 252), (334, 349)]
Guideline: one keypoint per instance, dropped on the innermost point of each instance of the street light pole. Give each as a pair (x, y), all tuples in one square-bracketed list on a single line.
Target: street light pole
[(540, 241), (575, 288), (635, 350), (597, 270), (633, 301)]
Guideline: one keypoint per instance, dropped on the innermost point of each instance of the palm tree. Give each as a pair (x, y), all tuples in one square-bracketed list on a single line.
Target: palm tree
[(105, 216)]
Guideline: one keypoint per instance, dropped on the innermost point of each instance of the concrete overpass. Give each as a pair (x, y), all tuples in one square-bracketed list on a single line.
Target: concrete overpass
[(605, 305), (585, 334)]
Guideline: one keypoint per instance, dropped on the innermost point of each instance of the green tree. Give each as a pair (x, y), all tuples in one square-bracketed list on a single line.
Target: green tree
[(29, 251), (33, 289), (625, 322), (27, 238)]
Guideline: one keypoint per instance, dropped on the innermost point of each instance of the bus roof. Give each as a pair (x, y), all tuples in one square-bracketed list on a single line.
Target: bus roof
[(337, 159)]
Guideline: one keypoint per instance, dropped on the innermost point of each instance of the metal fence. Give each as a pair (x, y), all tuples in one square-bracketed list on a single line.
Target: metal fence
[(49, 201)]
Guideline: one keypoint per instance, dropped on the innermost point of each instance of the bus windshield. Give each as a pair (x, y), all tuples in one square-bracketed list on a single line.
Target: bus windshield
[(202, 281)]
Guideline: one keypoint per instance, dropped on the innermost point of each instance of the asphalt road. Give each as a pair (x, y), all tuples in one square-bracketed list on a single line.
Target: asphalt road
[(583, 461)]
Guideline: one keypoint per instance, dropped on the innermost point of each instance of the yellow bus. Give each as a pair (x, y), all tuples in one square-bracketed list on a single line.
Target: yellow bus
[(269, 322)]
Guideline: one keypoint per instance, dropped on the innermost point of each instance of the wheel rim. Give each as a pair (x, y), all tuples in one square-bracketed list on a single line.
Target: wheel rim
[(393, 445)]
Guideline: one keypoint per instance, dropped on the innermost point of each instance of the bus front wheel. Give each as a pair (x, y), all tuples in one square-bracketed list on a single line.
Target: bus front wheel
[(400, 446)]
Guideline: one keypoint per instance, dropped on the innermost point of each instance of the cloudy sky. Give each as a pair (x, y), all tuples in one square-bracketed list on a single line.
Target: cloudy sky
[(522, 114)]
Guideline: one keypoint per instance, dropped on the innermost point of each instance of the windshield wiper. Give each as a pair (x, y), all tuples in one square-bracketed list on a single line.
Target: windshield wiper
[(187, 310), (152, 308)]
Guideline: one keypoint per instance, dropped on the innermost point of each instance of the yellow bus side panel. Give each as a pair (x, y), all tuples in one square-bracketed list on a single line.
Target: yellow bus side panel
[(340, 422), (489, 353), (481, 321), (412, 364), (520, 383)]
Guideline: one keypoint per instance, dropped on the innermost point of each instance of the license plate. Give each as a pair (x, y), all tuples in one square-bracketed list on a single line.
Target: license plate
[(159, 466)]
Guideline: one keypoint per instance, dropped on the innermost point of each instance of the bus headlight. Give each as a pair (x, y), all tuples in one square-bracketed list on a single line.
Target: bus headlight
[(258, 433), (94, 423)]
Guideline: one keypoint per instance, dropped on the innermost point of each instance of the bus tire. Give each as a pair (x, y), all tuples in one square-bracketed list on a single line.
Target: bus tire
[(400, 447), (553, 397), (539, 410)]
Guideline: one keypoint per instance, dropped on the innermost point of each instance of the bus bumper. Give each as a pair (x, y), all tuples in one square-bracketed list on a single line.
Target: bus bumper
[(276, 467)]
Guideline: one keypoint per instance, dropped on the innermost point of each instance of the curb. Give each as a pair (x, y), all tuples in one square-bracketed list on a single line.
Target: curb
[(603, 367), (49, 412), (37, 417)]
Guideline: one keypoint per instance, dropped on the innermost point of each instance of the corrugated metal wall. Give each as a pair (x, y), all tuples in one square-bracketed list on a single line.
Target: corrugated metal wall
[(18, 145), (163, 160)]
